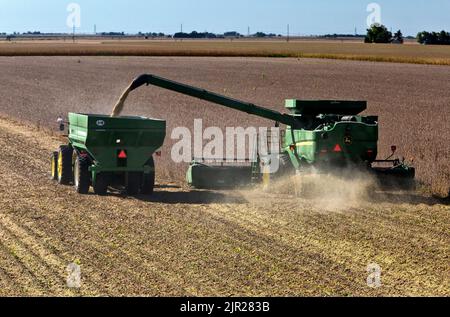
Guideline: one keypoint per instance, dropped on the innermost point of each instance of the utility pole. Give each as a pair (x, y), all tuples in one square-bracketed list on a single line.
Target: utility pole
[(288, 33), (73, 34), (95, 29), (248, 31)]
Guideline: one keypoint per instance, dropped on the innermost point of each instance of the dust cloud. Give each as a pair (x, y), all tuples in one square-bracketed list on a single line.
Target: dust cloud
[(323, 191)]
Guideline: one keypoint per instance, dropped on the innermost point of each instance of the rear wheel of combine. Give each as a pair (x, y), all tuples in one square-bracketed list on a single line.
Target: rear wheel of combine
[(101, 184), (134, 183), (81, 175), (64, 166), (148, 180), (54, 165)]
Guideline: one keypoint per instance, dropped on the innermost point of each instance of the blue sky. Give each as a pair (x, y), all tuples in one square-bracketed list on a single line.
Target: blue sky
[(304, 17)]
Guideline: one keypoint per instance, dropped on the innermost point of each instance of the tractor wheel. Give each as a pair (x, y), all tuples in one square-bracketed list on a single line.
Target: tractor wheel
[(54, 165), (82, 178), (133, 183), (148, 180), (101, 184), (64, 168)]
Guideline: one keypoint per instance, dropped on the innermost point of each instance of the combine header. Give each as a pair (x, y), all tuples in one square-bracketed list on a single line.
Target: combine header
[(327, 136)]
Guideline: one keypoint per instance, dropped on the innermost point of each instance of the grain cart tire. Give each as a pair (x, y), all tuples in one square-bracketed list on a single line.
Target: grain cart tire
[(54, 165), (134, 180), (148, 180), (65, 172), (101, 184), (82, 178)]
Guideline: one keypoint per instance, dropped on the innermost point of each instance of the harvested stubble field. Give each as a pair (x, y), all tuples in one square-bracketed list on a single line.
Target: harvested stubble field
[(347, 50), (207, 243), (219, 243)]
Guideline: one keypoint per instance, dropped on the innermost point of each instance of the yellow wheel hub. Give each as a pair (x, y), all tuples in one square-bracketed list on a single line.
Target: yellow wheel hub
[(53, 167), (60, 165)]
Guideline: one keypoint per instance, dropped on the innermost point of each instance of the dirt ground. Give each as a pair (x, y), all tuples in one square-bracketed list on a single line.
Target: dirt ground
[(413, 101), (201, 243)]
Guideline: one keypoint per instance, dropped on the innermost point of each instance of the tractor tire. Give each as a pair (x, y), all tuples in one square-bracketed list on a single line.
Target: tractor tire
[(148, 180), (101, 184), (81, 175), (65, 170), (134, 180), (54, 165)]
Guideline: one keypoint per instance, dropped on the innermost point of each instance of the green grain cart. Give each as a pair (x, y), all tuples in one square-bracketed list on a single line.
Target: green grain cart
[(104, 151)]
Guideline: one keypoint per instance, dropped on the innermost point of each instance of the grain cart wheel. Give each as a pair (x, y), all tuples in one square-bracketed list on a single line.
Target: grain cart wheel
[(148, 180), (64, 167), (82, 178), (101, 183), (54, 165), (133, 183)]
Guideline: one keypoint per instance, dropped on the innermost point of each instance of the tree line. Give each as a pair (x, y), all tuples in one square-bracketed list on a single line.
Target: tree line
[(435, 38), (203, 35), (378, 33)]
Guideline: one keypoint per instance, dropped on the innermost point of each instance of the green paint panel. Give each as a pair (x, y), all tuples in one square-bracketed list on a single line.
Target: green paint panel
[(103, 137), (341, 141)]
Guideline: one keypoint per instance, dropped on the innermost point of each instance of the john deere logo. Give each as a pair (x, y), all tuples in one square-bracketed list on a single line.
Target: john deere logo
[(348, 140), (100, 123)]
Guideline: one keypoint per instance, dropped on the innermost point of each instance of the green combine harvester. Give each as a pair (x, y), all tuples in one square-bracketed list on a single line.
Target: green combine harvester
[(327, 136)]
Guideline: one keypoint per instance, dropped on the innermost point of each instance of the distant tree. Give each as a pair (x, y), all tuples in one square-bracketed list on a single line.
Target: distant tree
[(398, 37), (378, 34), (194, 35), (112, 33), (260, 34), (231, 34), (444, 38), (434, 38), (334, 36), (422, 37)]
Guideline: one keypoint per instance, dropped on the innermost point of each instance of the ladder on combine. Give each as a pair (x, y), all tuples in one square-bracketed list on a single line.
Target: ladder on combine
[(271, 143)]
